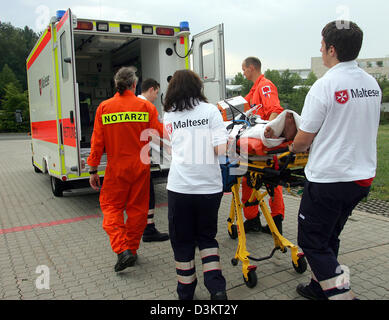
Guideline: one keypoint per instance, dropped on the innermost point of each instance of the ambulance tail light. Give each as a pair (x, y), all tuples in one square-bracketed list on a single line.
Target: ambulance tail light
[(165, 31), (84, 25)]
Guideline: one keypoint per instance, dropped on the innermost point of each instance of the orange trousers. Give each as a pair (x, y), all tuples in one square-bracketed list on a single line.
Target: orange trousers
[(128, 193), (277, 205)]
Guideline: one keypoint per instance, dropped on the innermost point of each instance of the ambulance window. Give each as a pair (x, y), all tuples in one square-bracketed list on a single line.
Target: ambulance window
[(64, 54), (208, 60)]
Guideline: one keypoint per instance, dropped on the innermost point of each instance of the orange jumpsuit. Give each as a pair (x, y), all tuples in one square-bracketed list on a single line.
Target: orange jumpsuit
[(263, 93), (119, 123)]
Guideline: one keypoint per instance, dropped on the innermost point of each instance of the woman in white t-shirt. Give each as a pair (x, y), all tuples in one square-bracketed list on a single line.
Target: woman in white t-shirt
[(198, 135)]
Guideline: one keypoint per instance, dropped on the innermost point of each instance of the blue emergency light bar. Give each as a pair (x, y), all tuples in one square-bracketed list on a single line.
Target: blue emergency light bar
[(59, 14), (184, 26)]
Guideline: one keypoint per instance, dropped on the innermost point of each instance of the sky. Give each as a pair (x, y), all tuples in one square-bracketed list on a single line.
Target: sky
[(283, 34)]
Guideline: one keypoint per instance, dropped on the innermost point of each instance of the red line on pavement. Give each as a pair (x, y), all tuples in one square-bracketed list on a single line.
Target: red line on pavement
[(58, 222), (48, 224), (161, 205)]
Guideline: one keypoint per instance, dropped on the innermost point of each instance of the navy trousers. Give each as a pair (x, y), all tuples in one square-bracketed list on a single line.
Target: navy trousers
[(324, 210), (193, 223)]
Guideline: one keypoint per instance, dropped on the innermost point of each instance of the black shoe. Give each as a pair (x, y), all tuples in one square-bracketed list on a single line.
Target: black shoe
[(277, 221), (266, 229), (152, 234), (221, 295), (125, 259), (252, 225), (306, 292)]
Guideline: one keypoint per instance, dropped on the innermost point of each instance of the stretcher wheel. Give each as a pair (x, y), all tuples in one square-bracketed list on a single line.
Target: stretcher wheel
[(234, 232), (234, 262), (301, 265), (252, 279)]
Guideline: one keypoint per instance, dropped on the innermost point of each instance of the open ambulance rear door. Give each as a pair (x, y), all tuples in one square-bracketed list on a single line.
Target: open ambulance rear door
[(67, 93), (209, 62)]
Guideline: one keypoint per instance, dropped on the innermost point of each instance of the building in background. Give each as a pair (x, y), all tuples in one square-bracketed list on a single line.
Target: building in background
[(233, 90), (303, 73), (377, 67)]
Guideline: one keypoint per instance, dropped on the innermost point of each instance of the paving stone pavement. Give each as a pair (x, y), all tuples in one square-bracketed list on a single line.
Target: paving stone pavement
[(40, 233)]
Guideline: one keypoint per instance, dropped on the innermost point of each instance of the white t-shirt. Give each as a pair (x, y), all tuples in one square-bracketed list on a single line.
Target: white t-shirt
[(193, 134), (343, 108)]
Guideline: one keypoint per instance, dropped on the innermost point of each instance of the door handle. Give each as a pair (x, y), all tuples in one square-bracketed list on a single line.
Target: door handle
[(67, 60), (71, 117)]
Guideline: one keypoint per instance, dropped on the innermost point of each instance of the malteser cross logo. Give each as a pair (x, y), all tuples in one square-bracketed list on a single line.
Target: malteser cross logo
[(169, 128), (342, 96)]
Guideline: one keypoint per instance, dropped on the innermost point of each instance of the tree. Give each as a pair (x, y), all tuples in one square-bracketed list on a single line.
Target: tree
[(7, 76), (240, 79), (15, 46), (385, 95), (288, 81), (274, 76), (14, 100), (311, 79)]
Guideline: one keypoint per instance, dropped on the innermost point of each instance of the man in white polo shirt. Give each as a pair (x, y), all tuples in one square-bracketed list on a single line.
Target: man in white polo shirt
[(340, 121)]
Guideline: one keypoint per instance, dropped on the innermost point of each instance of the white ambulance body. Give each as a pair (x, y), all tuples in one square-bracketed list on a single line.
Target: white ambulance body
[(70, 72)]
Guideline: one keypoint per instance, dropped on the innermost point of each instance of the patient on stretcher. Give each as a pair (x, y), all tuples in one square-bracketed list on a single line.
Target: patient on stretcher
[(261, 136), (289, 132)]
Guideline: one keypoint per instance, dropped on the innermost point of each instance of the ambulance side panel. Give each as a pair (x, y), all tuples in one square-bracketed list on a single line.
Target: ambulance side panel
[(43, 112)]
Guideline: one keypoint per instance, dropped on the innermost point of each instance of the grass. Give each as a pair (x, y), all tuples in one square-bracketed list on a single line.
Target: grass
[(380, 187)]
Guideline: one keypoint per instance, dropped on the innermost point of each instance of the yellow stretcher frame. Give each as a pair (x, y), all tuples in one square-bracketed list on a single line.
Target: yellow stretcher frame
[(256, 171)]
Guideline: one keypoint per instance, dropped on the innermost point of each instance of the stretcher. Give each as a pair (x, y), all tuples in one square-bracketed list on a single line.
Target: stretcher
[(265, 168)]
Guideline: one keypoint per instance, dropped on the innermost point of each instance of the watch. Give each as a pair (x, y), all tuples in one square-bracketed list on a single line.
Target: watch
[(93, 172)]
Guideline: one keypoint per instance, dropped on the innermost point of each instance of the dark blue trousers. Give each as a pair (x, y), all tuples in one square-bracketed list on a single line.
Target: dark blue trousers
[(324, 210), (193, 223)]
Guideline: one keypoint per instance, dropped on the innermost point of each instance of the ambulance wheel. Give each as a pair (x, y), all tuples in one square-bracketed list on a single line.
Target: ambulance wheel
[(36, 169), (57, 186), (301, 265), (234, 232), (252, 279)]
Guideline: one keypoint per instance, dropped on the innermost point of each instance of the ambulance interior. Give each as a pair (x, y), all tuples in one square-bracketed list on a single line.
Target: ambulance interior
[(98, 57)]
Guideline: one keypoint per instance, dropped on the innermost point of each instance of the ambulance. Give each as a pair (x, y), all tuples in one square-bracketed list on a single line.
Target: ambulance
[(70, 72)]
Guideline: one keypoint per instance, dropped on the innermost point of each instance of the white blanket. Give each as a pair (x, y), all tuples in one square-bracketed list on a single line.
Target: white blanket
[(257, 131)]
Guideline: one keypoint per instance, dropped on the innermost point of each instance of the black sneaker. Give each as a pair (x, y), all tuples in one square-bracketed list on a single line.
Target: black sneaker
[(151, 234), (221, 295), (307, 292), (125, 259), (277, 221), (252, 225)]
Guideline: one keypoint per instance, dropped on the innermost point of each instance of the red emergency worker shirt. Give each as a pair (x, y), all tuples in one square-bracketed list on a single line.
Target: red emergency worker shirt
[(119, 123), (264, 93)]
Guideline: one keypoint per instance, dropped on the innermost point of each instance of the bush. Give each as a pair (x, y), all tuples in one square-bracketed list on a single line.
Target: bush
[(14, 100), (384, 118)]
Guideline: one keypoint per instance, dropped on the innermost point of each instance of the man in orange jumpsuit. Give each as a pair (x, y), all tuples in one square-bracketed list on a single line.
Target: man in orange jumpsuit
[(119, 123), (264, 96)]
